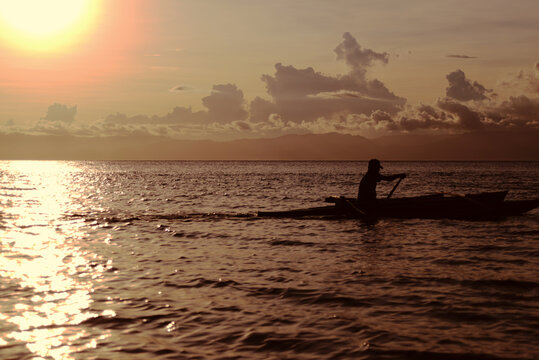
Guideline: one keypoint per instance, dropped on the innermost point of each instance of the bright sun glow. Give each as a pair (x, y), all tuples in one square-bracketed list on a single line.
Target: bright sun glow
[(45, 25)]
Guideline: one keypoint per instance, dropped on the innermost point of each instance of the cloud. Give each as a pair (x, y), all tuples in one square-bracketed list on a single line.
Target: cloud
[(62, 113), (225, 104), (377, 124), (355, 56), (455, 56), (180, 88), (463, 89), (178, 115), (468, 119), (300, 95), (448, 115), (451, 115), (290, 83), (260, 110), (525, 80), (423, 117), (515, 112), (242, 125)]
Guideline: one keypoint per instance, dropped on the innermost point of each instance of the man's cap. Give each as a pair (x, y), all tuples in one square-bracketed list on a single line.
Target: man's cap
[(375, 163)]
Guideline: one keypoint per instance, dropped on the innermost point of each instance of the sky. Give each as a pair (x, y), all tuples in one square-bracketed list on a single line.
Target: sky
[(230, 69)]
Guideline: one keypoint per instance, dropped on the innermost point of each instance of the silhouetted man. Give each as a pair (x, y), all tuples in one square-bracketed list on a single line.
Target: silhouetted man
[(367, 186)]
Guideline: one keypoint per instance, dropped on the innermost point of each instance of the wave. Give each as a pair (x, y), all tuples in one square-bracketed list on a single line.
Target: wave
[(381, 354), (201, 282), (514, 285), (291, 243), (126, 218), (308, 296)]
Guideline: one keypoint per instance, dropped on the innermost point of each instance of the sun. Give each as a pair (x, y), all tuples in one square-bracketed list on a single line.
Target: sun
[(45, 25)]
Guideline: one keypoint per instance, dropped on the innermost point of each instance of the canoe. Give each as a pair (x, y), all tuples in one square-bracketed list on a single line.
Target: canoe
[(481, 206)]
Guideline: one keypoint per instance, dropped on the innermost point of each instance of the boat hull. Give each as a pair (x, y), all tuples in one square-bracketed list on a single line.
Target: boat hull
[(482, 206), (330, 210)]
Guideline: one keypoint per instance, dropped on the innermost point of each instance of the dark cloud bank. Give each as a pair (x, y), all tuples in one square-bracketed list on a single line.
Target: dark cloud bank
[(469, 122)]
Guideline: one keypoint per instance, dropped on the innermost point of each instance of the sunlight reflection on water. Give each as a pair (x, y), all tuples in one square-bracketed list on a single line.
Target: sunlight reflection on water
[(42, 256)]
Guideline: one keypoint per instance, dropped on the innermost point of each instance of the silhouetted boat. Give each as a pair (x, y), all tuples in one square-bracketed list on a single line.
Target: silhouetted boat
[(482, 206)]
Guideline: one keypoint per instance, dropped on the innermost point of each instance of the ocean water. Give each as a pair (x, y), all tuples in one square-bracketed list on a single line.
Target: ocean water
[(167, 260)]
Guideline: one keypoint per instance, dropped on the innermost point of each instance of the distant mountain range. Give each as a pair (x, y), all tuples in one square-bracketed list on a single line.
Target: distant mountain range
[(467, 146)]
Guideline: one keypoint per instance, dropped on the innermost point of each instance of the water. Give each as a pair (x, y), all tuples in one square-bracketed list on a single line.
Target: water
[(166, 260)]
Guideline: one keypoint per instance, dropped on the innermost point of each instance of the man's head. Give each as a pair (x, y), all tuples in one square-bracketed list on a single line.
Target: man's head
[(374, 165)]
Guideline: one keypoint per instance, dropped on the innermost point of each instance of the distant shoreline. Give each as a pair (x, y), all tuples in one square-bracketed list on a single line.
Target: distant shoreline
[(479, 146)]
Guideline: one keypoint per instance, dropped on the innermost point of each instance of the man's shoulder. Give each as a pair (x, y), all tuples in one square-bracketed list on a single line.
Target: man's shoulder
[(370, 177)]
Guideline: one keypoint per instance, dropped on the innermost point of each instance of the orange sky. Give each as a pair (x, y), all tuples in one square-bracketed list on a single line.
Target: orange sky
[(234, 68), (100, 52)]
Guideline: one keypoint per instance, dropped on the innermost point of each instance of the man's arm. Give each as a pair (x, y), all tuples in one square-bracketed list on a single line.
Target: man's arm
[(392, 177)]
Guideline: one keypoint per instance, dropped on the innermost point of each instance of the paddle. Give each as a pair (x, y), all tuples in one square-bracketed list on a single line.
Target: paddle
[(355, 208), (394, 188)]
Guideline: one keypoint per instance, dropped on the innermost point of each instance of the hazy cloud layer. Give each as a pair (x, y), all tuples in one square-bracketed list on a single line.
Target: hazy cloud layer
[(303, 100)]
